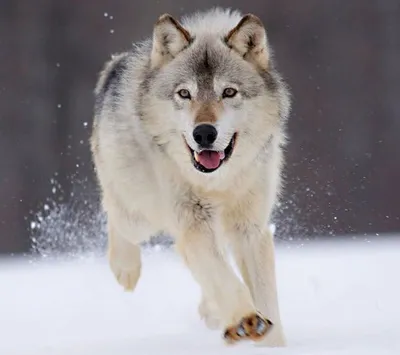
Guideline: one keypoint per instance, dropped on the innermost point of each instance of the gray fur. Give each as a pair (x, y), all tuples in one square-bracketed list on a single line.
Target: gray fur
[(203, 61), (147, 160)]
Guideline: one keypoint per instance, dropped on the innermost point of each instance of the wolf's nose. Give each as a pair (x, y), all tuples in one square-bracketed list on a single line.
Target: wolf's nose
[(205, 135)]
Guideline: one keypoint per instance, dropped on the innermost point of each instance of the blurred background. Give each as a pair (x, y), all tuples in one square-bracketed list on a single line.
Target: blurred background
[(340, 58)]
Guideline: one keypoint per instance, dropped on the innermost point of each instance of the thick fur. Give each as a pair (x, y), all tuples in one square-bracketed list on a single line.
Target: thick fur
[(140, 143)]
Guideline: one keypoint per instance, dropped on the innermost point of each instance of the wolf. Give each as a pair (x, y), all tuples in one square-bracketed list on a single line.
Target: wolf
[(188, 139)]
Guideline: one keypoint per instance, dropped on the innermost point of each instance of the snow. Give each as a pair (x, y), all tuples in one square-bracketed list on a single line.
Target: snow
[(337, 298)]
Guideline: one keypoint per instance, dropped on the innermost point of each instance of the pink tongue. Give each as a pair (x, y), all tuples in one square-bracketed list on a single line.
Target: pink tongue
[(210, 159)]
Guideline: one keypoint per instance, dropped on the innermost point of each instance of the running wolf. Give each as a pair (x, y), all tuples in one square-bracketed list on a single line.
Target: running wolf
[(188, 139)]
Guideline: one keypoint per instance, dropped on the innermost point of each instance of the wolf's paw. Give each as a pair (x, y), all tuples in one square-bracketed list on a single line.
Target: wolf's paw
[(209, 313), (252, 327), (126, 277)]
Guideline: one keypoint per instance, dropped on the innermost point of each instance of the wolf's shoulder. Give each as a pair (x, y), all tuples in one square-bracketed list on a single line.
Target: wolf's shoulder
[(112, 72), (122, 67)]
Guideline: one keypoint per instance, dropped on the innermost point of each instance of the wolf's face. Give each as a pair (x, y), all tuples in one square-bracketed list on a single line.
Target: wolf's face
[(219, 99)]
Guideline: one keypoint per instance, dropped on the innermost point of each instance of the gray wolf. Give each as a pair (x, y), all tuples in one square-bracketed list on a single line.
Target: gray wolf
[(188, 139)]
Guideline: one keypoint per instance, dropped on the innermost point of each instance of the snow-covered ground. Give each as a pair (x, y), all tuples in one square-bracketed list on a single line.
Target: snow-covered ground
[(336, 299)]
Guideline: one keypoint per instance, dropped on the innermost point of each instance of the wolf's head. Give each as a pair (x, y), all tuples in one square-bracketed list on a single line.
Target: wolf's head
[(214, 100)]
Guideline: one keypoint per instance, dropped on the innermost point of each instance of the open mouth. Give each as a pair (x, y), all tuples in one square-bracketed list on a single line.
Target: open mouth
[(208, 161)]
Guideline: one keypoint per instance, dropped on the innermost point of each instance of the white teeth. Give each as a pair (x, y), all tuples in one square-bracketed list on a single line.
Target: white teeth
[(196, 156)]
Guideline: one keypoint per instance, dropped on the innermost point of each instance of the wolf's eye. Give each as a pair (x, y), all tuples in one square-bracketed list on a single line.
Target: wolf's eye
[(184, 94), (229, 92)]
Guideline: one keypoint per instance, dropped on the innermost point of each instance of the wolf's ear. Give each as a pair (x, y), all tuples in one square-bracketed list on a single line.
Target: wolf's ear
[(169, 38), (249, 39)]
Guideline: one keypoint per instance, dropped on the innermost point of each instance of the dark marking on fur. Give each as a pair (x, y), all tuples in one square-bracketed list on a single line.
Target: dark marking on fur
[(144, 86), (165, 40), (167, 36), (202, 211), (250, 42), (144, 89), (204, 69), (159, 144), (191, 208), (111, 84), (98, 104), (176, 24), (270, 82), (267, 144), (205, 64), (236, 28), (225, 40), (115, 75)]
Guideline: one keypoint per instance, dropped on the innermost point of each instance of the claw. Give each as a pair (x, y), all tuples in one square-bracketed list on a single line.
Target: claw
[(241, 331), (260, 327)]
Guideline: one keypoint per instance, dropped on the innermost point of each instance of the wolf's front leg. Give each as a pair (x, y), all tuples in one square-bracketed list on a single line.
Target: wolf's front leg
[(124, 259), (255, 256), (220, 284)]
